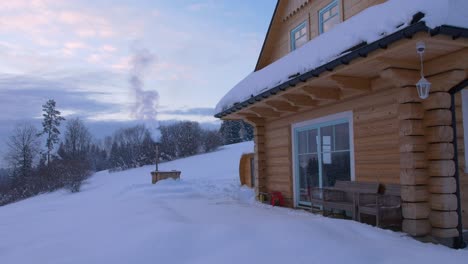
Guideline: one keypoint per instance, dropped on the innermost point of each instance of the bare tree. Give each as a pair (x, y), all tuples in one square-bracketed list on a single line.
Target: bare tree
[(77, 141), (132, 147), (23, 148)]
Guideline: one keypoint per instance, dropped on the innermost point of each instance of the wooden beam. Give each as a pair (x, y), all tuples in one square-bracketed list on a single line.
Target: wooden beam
[(354, 83), (402, 64), (299, 100), (247, 114), (255, 121), (322, 93), (264, 111), (454, 60), (282, 106), (401, 77), (443, 82)]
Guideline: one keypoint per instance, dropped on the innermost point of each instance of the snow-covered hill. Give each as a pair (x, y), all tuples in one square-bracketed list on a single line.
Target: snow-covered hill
[(206, 217)]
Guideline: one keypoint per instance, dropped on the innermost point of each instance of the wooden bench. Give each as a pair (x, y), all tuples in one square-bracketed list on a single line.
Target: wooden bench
[(343, 196), (162, 175), (385, 206)]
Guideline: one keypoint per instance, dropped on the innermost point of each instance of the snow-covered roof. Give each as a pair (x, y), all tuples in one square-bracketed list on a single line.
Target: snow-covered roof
[(368, 26)]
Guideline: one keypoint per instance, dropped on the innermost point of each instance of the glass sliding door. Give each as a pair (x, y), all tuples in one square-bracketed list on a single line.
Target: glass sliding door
[(322, 156), (307, 162)]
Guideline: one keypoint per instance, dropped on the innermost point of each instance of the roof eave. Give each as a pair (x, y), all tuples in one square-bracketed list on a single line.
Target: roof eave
[(383, 43)]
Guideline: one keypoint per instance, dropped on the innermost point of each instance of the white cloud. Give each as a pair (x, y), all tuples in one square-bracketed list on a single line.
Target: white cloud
[(75, 45), (94, 58), (108, 48)]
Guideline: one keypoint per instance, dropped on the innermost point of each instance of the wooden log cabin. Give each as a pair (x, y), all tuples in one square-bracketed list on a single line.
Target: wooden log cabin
[(357, 115)]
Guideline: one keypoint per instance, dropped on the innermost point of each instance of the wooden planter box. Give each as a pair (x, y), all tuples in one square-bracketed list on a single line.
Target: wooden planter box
[(162, 175)]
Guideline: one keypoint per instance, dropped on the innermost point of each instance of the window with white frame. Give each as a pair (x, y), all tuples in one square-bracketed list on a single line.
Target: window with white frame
[(329, 16), (465, 124), (323, 152), (299, 36)]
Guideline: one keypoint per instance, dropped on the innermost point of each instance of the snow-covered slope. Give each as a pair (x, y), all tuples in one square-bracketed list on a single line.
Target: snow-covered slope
[(206, 217)]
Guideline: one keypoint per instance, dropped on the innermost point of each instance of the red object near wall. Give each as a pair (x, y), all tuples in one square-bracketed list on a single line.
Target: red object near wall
[(277, 199)]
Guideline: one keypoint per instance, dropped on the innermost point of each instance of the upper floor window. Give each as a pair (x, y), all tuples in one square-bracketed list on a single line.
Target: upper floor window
[(299, 36), (329, 16)]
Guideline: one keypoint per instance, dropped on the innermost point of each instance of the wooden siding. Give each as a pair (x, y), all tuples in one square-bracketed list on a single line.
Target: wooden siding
[(376, 136), (292, 13), (461, 157)]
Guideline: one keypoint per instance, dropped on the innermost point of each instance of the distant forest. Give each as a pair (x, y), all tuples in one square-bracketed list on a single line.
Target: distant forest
[(70, 154)]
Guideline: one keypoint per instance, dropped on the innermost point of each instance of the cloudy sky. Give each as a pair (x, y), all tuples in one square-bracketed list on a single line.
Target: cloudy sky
[(111, 61)]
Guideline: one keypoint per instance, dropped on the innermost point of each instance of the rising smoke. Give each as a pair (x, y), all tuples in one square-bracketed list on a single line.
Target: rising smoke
[(146, 102)]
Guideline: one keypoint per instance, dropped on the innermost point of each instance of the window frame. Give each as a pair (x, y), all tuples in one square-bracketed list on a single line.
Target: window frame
[(333, 119), (327, 8), (292, 38)]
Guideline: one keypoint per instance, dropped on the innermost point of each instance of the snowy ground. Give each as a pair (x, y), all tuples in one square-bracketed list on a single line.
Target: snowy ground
[(203, 218)]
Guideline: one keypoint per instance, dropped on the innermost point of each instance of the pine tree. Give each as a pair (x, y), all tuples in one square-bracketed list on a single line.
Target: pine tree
[(235, 131), (50, 125)]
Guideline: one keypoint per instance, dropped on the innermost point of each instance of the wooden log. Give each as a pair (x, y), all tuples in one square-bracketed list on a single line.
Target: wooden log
[(412, 144), (444, 232), (265, 111), (443, 82), (410, 111), (444, 202), (259, 130), (414, 193), (439, 134), (300, 100), (413, 160), (416, 210), (441, 168), (411, 128), (440, 151), (353, 83), (447, 62), (416, 228), (442, 185), (413, 177), (282, 106), (439, 100), (444, 219), (438, 117), (401, 77), (380, 84), (323, 93), (408, 95), (255, 121)]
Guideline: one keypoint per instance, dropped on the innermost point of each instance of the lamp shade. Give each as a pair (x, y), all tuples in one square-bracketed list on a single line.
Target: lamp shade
[(423, 86)]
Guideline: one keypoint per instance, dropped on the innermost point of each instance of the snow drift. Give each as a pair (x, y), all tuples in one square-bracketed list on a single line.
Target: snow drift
[(206, 217)]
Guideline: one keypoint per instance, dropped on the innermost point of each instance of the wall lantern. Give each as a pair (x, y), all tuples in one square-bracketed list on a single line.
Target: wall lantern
[(423, 85)]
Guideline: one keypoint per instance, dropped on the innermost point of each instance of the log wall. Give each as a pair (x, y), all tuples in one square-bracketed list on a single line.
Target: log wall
[(278, 42), (376, 149)]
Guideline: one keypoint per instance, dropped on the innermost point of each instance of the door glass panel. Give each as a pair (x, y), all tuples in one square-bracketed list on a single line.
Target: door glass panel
[(302, 142), (326, 134), (338, 169), (323, 157), (312, 138), (342, 137), (308, 176)]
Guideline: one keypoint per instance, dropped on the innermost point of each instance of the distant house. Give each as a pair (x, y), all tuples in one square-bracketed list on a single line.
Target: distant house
[(333, 97)]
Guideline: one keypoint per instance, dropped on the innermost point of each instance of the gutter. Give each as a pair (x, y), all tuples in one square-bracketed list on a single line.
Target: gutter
[(459, 241), (361, 51)]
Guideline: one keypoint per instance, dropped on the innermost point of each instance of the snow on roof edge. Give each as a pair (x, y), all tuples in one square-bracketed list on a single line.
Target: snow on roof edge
[(386, 18)]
